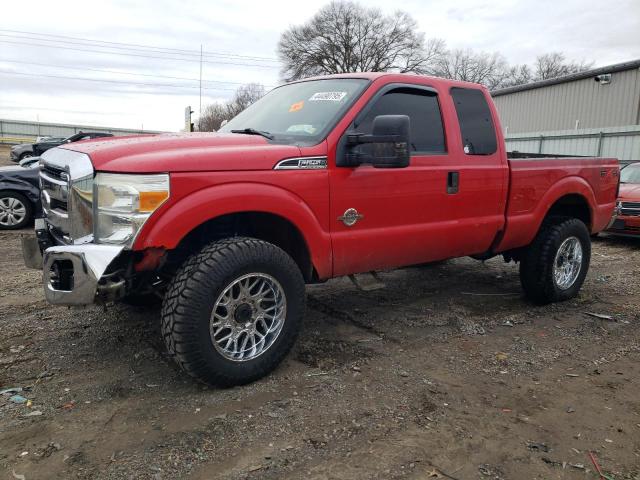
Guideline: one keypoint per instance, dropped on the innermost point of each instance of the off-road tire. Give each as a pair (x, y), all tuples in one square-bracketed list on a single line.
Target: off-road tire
[(536, 266), (190, 298), (28, 206)]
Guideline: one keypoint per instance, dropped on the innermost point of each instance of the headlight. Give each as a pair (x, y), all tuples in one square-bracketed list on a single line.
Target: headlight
[(124, 202)]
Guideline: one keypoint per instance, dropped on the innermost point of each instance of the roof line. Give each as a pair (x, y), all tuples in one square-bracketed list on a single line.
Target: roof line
[(618, 67)]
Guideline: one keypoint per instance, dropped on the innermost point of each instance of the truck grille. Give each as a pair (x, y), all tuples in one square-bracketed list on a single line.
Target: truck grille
[(66, 180), (630, 208)]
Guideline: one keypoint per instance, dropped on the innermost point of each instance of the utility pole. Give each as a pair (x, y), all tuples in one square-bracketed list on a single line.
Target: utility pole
[(200, 109)]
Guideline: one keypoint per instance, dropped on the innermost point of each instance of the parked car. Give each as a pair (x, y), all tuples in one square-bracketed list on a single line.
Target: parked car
[(25, 150), (319, 178), (628, 221), (41, 147), (19, 194)]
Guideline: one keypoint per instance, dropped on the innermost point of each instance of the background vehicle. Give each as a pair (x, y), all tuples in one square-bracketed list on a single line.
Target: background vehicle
[(19, 194), (628, 221), (25, 150), (41, 147), (320, 178)]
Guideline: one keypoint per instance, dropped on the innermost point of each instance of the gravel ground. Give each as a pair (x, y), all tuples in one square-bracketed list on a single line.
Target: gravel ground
[(445, 373)]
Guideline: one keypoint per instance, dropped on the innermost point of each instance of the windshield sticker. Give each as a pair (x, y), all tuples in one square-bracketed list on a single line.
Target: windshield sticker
[(296, 106), (310, 129), (328, 96)]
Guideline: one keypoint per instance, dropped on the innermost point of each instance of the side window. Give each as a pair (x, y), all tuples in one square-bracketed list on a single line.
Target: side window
[(427, 133), (476, 126)]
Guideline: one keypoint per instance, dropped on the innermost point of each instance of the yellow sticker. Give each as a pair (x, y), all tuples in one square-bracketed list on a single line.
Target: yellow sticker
[(296, 106)]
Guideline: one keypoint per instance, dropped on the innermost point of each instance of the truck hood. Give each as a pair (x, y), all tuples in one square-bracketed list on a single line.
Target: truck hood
[(630, 192), (186, 152)]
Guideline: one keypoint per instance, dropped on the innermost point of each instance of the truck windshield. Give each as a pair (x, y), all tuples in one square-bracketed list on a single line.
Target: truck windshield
[(630, 174), (299, 113)]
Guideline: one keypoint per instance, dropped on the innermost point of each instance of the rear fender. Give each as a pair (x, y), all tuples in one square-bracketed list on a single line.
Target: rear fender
[(173, 221), (522, 227)]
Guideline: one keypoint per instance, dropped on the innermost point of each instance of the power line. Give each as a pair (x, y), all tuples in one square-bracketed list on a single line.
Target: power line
[(99, 70), (177, 50), (111, 81), (86, 44), (60, 47)]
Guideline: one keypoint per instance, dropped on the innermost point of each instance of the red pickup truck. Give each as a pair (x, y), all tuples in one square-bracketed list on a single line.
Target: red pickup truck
[(320, 178)]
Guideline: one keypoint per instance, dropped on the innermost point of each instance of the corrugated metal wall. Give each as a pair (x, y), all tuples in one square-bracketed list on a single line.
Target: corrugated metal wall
[(30, 130), (558, 107), (622, 143)]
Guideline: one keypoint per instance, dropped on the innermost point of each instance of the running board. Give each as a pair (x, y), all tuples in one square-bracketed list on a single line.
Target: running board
[(367, 281)]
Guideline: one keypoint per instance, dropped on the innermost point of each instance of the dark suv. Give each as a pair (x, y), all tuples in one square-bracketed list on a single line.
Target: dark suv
[(41, 147)]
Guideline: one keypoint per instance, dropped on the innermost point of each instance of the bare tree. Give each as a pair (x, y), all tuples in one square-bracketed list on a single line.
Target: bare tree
[(518, 75), (216, 113), (344, 36), (244, 96), (212, 117), (552, 65), (469, 66)]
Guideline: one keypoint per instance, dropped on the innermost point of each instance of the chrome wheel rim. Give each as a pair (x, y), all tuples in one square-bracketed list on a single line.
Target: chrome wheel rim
[(12, 211), (568, 263), (248, 316)]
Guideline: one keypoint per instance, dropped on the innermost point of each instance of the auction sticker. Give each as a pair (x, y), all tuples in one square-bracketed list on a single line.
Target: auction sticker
[(296, 106), (327, 96)]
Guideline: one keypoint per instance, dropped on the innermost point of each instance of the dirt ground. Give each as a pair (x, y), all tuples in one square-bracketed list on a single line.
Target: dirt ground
[(448, 372)]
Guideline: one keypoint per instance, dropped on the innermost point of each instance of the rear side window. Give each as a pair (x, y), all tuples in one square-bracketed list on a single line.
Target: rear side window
[(476, 126), (421, 106)]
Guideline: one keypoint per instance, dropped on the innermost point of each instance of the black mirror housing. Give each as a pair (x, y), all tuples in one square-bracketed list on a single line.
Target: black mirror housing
[(387, 146)]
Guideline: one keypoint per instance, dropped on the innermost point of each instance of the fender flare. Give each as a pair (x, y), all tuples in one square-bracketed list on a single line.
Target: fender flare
[(169, 225), (521, 228)]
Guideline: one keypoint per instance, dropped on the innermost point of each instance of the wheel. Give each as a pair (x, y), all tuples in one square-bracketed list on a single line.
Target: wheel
[(16, 211), (555, 265), (26, 155), (233, 311)]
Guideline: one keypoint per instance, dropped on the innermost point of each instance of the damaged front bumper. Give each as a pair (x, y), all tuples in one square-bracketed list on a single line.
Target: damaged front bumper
[(75, 274)]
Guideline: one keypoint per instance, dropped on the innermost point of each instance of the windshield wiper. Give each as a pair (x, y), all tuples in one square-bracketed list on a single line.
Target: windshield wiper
[(253, 131)]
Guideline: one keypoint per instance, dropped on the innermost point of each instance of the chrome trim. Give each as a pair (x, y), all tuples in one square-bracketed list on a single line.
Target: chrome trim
[(68, 205), (616, 213), (302, 163), (350, 217), (89, 262)]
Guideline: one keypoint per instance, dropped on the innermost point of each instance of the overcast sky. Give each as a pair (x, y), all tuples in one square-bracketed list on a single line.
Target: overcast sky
[(239, 40)]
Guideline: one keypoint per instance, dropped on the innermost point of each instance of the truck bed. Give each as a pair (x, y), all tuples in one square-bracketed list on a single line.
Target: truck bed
[(536, 183)]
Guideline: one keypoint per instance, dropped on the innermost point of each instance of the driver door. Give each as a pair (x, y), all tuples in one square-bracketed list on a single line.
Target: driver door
[(401, 214)]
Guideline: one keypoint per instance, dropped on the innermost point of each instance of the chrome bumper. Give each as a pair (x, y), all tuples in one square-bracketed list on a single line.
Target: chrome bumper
[(71, 273)]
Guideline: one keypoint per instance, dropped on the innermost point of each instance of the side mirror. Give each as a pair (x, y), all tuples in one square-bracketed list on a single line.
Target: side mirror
[(386, 147)]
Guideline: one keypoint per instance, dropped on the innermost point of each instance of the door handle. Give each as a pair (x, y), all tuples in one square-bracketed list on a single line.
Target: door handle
[(453, 182)]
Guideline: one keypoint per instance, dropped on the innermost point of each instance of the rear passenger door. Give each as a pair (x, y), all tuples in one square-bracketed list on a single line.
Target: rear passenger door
[(479, 202)]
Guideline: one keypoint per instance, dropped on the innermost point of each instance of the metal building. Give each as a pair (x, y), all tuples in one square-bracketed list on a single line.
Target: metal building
[(591, 113), (18, 131)]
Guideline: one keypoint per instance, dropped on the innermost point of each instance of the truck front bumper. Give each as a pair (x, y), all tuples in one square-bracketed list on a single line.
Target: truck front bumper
[(73, 274)]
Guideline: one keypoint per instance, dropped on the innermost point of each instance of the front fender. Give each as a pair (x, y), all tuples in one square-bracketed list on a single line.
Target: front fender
[(522, 226), (173, 221)]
